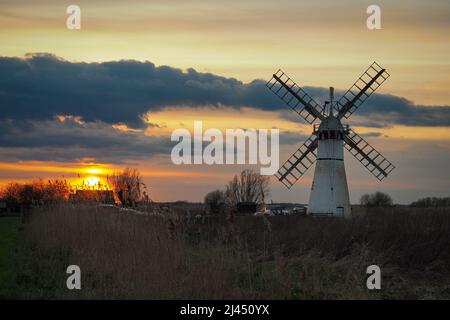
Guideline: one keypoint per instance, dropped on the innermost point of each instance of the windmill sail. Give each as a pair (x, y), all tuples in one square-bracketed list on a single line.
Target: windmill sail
[(298, 163), (362, 89), (295, 97), (378, 165)]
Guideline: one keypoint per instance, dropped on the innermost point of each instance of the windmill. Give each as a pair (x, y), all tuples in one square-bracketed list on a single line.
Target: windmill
[(329, 191)]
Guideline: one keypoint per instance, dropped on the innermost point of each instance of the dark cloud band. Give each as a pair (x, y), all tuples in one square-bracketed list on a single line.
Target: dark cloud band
[(36, 89), (43, 85)]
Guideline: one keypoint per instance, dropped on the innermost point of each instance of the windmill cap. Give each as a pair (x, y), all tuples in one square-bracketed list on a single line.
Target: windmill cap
[(330, 123)]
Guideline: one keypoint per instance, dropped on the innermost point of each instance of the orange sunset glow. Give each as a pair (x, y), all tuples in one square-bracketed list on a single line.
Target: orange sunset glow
[(82, 104)]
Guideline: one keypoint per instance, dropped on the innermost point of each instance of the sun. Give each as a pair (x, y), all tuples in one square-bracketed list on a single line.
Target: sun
[(92, 181), (93, 177)]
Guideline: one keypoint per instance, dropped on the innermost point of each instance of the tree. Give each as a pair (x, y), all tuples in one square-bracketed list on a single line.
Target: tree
[(127, 185), (37, 192), (215, 201), (432, 202), (11, 193), (377, 199), (248, 187)]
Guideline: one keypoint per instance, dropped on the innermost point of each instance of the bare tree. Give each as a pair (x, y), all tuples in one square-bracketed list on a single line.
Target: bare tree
[(248, 187), (127, 185), (377, 199)]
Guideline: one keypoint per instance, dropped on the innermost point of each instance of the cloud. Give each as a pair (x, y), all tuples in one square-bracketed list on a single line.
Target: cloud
[(52, 109), (372, 135), (386, 110), (41, 86), (292, 138), (70, 140)]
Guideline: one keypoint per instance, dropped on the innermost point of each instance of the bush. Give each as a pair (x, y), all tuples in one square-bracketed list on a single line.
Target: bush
[(128, 186), (215, 202), (377, 199)]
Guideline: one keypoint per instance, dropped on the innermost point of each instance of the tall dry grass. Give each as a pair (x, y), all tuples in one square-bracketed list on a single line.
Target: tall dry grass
[(134, 256), (131, 256)]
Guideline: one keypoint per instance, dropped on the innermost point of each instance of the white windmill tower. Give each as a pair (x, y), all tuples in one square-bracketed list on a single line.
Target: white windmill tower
[(329, 191)]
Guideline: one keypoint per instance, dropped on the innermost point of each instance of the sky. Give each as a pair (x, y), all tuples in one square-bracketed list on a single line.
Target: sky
[(110, 94)]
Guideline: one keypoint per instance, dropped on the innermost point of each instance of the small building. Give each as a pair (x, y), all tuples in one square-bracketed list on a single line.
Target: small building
[(3, 206), (300, 211), (246, 207)]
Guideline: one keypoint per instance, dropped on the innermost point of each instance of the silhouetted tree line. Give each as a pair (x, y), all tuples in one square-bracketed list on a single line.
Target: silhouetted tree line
[(127, 186), (432, 202), (37, 193)]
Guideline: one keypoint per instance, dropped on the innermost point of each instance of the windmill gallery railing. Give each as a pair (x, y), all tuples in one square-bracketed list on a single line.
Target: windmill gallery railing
[(344, 128)]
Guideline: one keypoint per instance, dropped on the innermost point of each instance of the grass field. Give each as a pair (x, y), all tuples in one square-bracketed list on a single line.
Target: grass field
[(8, 246), (125, 255)]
